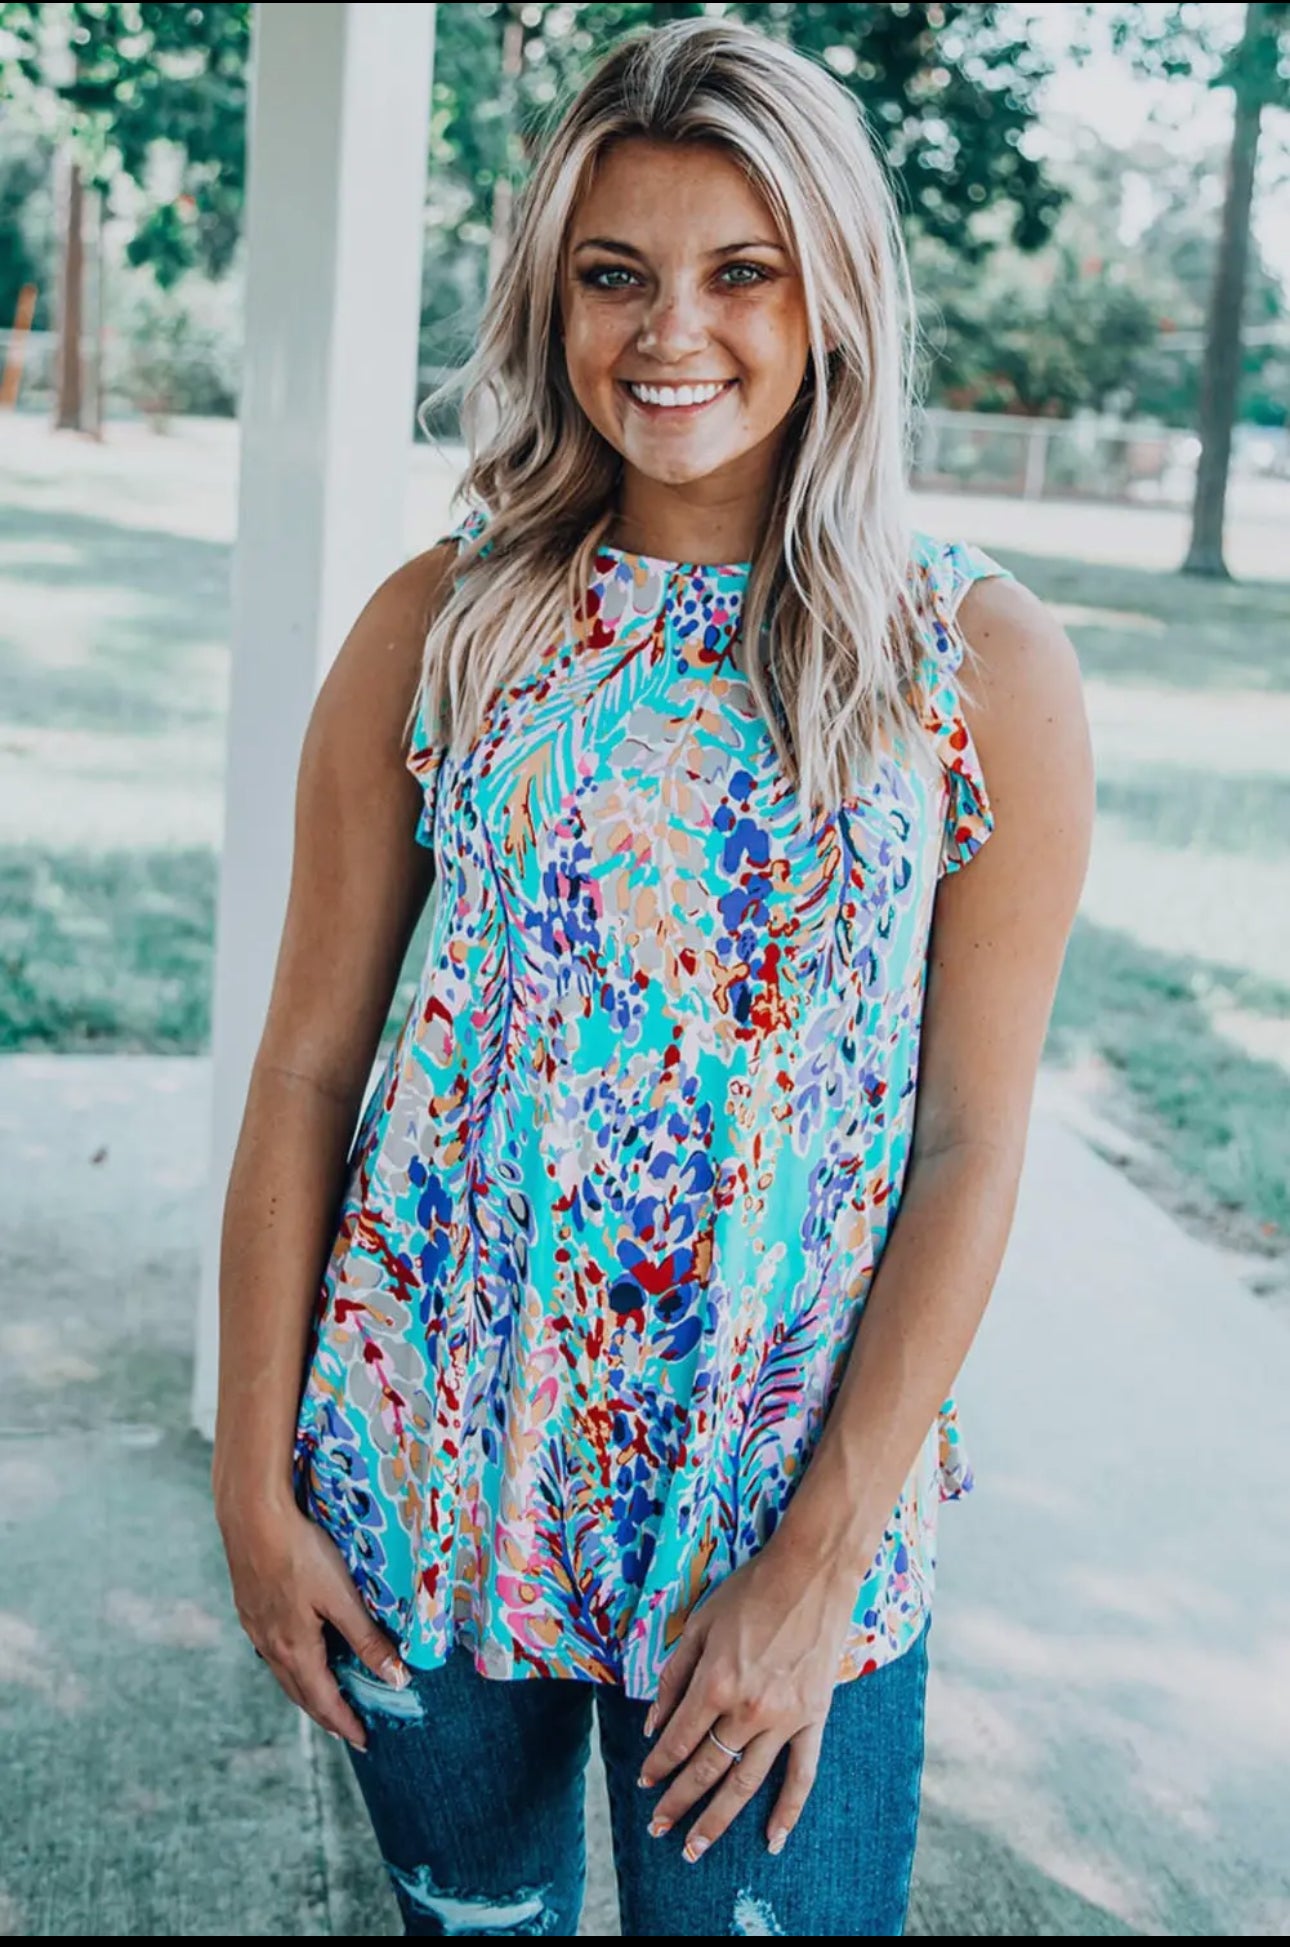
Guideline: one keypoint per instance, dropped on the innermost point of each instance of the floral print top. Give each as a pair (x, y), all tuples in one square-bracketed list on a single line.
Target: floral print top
[(617, 1197)]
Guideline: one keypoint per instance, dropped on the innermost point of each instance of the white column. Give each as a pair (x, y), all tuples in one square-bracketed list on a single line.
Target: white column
[(338, 137)]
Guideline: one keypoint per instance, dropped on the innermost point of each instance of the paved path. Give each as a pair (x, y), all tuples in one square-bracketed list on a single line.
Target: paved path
[(1111, 1711), (1110, 1708)]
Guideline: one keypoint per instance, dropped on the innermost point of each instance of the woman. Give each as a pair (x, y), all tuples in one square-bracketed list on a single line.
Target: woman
[(623, 1388)]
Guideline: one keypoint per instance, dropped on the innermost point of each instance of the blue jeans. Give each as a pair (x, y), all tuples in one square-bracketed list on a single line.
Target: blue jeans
[(475, 1788)]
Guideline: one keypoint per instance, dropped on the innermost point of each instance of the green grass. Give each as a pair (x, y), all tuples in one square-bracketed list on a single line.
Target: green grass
[(145, 614), (113, 952), (106, 951), (1177, 808), (1219, 1114), (1212, 635), (1216, 1114)]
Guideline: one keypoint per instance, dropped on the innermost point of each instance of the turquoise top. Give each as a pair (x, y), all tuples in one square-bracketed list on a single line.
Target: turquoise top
[(616, 1200)]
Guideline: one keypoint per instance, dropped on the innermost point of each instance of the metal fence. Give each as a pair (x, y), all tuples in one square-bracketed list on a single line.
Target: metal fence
[(1061, 459)]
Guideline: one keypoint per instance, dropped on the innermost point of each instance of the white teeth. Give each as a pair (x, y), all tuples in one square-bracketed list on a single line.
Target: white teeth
[(676, 395)]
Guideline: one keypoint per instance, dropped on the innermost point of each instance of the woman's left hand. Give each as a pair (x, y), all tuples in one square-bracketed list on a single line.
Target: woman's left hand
[(756, 1663)]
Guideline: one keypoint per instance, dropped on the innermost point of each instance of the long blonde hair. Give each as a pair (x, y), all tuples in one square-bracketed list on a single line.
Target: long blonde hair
[(827, 600)]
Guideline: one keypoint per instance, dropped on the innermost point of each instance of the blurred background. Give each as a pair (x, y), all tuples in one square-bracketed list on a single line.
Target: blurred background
[(291, 214)]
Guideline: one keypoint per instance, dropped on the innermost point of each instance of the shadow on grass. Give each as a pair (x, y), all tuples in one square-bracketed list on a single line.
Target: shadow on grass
[(154, 622), (1216, 635), (1219, 1114), (1180, 808)]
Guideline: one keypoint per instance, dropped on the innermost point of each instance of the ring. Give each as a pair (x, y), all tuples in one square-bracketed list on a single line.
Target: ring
[(729, 1751)]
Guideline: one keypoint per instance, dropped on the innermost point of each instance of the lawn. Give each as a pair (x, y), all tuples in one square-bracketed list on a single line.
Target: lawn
[(1173, 1014), (1174, 1003)]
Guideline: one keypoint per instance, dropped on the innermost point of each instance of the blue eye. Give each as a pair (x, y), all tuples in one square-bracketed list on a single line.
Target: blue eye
[(593, 276)]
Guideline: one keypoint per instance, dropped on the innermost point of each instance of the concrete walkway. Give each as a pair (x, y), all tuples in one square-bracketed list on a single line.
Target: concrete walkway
[(1110, 1711)]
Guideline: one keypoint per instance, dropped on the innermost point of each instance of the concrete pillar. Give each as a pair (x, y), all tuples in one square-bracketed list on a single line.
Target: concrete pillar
[(339, 130)]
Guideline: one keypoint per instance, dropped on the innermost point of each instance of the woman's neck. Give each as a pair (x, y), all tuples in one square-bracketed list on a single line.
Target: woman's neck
[(673, 527)]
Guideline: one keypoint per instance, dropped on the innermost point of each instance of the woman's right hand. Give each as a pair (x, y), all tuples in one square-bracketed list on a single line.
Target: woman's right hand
[(288, 1578)]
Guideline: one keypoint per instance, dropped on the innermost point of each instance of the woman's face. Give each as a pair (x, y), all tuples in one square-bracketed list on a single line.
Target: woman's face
[(676, 276)]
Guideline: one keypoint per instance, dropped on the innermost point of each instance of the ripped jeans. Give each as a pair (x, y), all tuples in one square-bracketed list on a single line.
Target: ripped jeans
[(475, 1788)]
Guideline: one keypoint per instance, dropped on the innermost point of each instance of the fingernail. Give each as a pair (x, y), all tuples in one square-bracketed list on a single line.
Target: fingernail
[(649, 1721), (657, 1827), (643, 1780), (777, 1841), (336, 1734), (395, 1674), (354, 1745), (694, 1848)]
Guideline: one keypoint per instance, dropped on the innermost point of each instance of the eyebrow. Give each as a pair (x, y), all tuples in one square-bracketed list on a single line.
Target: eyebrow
[(629, 250)]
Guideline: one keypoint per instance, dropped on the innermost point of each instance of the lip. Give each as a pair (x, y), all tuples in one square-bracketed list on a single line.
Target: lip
[(674, 412)]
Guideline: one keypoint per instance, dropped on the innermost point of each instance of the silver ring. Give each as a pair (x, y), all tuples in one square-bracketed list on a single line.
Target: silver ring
[(730, 1753)]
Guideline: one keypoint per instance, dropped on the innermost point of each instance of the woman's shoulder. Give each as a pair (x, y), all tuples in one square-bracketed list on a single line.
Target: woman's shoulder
[(406, 601), (948, 568), (976, 607)]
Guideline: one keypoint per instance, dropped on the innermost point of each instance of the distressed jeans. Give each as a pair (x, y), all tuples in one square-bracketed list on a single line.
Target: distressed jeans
[(475, 1788)]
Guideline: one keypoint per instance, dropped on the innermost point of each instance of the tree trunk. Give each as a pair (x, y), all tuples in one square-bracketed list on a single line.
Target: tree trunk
[(71, 309), (1221, 369), (503, 196), (95, 373)]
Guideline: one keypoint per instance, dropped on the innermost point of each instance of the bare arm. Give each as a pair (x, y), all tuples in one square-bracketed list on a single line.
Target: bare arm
[(358, 883), (999, 934)]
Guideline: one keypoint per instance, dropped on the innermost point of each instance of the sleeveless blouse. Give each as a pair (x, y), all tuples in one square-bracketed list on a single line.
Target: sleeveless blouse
[(617, 1196)]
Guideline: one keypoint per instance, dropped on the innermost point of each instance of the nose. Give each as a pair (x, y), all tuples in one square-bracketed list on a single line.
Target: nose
[(674, 326)]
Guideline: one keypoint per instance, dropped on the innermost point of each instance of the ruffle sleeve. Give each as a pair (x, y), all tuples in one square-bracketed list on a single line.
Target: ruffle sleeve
[(948, 570), (954, 1470), (425, 754), (425, 761)]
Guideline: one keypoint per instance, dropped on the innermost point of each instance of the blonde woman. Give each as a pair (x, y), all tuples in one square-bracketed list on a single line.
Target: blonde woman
[(597, 1371)]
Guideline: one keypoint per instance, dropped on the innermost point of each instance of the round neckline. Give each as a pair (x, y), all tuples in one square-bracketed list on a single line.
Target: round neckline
[(687, 567)]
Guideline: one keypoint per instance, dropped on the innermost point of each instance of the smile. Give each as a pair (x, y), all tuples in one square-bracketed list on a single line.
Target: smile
[(679, 399)]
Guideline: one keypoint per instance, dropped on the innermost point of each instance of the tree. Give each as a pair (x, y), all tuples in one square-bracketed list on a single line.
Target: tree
[(143, 74), (1166, 41), (26, 243), (1174, 259), (129, 77), (949, 92), (1253, 76), (1097, 320)]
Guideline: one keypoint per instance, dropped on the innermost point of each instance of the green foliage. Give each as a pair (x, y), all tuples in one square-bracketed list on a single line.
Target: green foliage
[(948, 92), (145, 74), (1094, 322), (1048, 344), (1185, 41), (179, 358), (26, 239), (1053, 316)]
